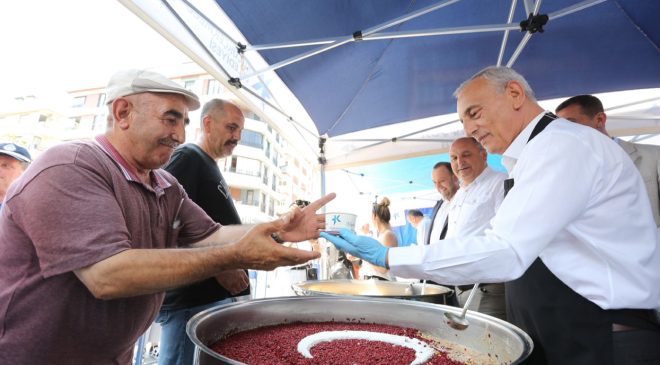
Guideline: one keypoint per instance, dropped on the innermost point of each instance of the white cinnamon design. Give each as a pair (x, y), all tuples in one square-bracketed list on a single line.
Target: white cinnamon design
[(423, 352)]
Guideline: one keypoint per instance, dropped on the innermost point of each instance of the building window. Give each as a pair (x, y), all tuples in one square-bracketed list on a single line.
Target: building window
[(275, 158), (265, 178), (250, 197), (252, 116), (271, 207), (245, 166), (262, 204), (215, 88), (102, 98), (79, 102), (267, 148), (273, 184), (251, 138), (189, 84)]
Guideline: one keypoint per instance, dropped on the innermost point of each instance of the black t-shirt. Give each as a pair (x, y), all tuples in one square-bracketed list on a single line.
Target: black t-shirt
[(201, 178)]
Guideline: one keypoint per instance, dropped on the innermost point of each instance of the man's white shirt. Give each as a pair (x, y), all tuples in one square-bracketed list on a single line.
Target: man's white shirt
[(439, 221), (422, 229), (475, 204), (578, 204)]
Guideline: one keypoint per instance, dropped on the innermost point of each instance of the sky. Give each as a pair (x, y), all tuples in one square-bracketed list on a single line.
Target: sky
[(53, 46)]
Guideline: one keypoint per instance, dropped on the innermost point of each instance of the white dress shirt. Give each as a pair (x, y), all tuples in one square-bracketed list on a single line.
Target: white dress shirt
[(422, 228), (439, 221), (578, 203), (475, 204)]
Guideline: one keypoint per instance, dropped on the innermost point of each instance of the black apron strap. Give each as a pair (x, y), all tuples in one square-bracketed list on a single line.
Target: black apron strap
[(566, 327), (538, 128)]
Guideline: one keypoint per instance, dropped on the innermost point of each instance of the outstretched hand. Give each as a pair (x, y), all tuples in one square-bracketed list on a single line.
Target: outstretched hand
[(257, 250), (304, 224), (363, 247)]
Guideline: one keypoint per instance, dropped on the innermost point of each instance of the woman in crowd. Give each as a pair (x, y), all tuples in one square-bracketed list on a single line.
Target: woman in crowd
[(380, 215)]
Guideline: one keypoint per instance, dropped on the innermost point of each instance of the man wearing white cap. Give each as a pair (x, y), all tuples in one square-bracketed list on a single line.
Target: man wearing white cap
[(14, 159), (94, 233)]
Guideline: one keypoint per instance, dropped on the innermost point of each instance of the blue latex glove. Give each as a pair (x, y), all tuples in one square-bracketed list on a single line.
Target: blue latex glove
[(363, 247)]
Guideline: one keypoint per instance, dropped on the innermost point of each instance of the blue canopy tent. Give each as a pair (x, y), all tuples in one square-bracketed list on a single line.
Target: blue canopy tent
[(355, 65)]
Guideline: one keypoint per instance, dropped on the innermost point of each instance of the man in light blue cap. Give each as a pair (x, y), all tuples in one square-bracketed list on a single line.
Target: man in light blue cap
[(14, 159)]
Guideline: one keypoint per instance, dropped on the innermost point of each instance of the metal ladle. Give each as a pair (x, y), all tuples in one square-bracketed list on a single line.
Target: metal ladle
[(459, 322)]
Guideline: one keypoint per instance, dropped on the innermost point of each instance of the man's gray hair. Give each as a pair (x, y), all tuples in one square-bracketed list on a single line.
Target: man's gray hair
[(499, 77), (211, 106)]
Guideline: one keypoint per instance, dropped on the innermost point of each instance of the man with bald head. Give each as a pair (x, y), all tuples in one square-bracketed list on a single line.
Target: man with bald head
[(95, 232), (470, 212), (574, 238)]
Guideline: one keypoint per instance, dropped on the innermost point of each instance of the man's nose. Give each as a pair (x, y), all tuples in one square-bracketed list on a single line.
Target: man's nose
[(179, 133), (470, 128)]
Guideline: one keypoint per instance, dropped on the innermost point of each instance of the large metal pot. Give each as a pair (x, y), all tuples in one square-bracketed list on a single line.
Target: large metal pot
[(375, 288), (486, 336)]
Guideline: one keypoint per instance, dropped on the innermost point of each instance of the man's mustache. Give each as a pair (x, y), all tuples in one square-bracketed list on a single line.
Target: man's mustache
[(231, 142), (169, 142)]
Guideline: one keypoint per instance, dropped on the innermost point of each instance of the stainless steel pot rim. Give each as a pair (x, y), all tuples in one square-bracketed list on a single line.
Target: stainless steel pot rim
[(202, 316), (389, 289)]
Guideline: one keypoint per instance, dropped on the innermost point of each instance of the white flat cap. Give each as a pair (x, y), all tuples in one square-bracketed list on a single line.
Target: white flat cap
[(129, 82)]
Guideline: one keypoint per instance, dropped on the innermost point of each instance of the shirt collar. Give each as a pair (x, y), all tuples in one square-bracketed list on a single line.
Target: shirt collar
[(511, 155), (482, 176), (159, 182)]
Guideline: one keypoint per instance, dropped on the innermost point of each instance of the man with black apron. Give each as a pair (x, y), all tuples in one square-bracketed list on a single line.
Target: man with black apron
[(574, 238)]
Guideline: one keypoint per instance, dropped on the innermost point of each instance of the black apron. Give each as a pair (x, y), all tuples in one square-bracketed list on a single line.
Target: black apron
[(567, 329)]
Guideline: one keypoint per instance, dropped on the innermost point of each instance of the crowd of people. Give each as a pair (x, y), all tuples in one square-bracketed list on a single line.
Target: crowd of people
[(134, 227)]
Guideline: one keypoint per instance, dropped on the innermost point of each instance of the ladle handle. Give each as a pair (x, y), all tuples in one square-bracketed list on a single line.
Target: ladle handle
[(469, 299)]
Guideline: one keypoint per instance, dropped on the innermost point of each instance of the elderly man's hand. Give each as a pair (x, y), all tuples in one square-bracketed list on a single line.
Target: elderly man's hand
[(363, 247), (235, 281), (304, 224), (257, 249)]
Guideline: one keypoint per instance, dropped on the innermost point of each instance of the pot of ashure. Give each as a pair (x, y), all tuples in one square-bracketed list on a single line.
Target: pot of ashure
[(430, 293), (487, 340)]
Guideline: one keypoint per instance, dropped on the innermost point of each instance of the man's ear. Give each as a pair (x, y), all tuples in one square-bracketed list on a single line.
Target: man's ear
[(601, 119), (516, 93), (206, 124), (121, 110)]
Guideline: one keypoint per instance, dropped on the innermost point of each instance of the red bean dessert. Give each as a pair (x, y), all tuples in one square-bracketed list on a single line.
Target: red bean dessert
[(279, 345)]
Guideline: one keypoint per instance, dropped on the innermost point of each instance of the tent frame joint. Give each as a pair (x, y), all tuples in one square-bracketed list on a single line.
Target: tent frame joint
[(322, 160), (235, 82), (240, 48), (534, 23), (357, 36)]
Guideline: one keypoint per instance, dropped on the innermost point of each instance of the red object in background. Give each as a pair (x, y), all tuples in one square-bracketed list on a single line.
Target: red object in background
[(278, 345)]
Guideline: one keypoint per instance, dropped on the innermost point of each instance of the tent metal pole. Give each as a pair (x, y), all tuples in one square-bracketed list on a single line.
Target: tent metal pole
[(394, 35), (505, 38), (439, 31), (528, 6), (523, 42), (639, 138), (351, 38), (404, 136), (248, 90), (574, 8), (443, 31), (631, 104), (390, 140)]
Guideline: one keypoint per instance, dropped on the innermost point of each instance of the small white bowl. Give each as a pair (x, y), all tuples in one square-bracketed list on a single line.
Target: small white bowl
[(336, 221)]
